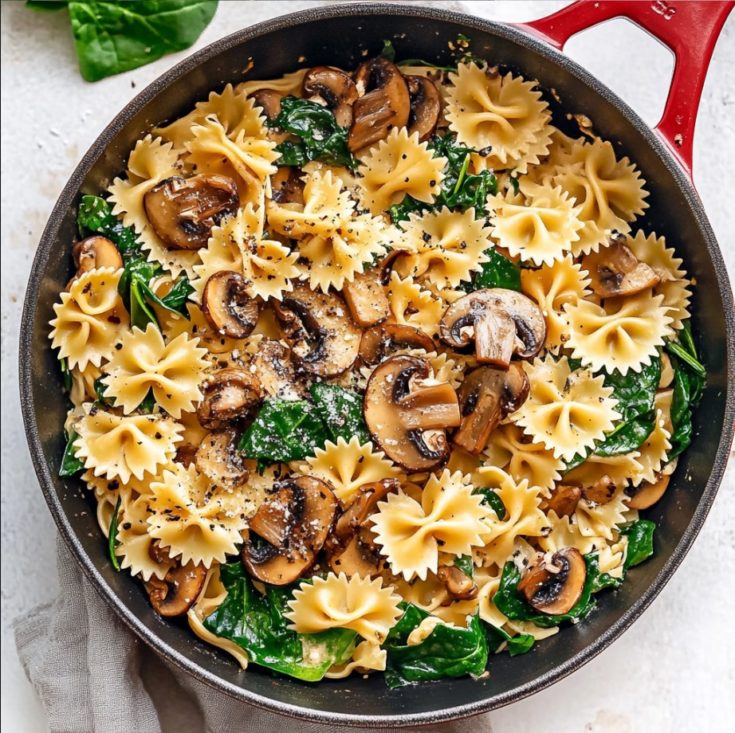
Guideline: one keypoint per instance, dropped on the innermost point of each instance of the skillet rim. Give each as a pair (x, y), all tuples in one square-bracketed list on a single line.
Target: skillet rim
[(40, 262)]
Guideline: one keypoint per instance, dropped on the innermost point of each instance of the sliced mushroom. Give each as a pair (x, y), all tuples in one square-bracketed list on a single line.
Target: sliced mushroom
[(186, 454), (276, 371), (459, 586), (501, 322), (426, 106), (319, 329), (269, 100), (176, 593), (380, 341), (486, 396), (293, 525), (94, 252), (601, 491), (182, 211), (647, 494), (384, 104), (228, 395), (287, 186), (563, 500), (227, 306), (333, 88), (219, 460), (614, 270), (407, 413), (555, 587)]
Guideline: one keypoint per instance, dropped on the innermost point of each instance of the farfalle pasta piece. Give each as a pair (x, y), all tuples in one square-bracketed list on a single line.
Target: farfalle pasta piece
[(444, 247), (336, 602), (540, 230), (510, 450), (618, 470), (564, 532), (567, 411), (82, 384), (501, 116), (119, 447), (90, 319), (173, 371), (653, 452), (197, 326), (347, 466), (396, 167), (196, 521), (621, 335), (412, 305), (523, 516), (601, 520), (287, 85), (674, 285), (553, 287), (448, 517), (367, 657), (608, 191)]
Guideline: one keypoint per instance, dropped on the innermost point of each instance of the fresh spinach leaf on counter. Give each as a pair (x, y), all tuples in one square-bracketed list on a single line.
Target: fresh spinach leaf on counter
[(640, 541), (448, 651), (320, 137), (513, 605), (341, 411), (95, 216), (257, 624), (70, 464), (497, 272), (519, 644), (112, 535)]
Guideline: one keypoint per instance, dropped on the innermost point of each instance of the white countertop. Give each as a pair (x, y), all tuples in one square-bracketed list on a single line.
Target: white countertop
[(673, 671)]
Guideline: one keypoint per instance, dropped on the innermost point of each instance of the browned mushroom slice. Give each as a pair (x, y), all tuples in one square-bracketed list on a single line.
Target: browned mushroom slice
[(366, 298), (555, 587), (269, 100), (333, 88), (563, 500), (219, 460), (486, 396), (176, 593), (426, 106), (459, 586), (407, 414), (182, 211), (294, 523), (228, 395), (94, 252), (227, 306), (647, 494), (601, 491), (357, 558), (186, 454), (614, 270), (287, 187), (276, 371), (380, 341), (501, 322), (384, 104), (318, 327)]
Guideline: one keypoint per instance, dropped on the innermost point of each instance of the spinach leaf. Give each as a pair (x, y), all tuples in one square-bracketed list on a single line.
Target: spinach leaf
[(111, 36), (341, 411), (627, 436), (513, 605), (493, 500), (70, 464), (112, 535), (640, 541), (389, 51), (320, 137), (448, 651), (465, 564), (519, 644), (257, 624), (497, 272), (65, 374), (284, 431), (95, 216)]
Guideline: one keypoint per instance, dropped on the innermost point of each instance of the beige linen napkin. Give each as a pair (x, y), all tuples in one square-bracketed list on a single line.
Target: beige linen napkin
[(94, 676)]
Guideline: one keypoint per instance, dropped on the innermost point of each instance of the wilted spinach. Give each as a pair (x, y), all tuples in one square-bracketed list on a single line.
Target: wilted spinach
[(497, 272), (256, 623), (341, 411), (94, 216), (519, 644), (112, 535), (65, 374), (320, 137), (448, 651), (493, 500), (70, 464), (640, 541)]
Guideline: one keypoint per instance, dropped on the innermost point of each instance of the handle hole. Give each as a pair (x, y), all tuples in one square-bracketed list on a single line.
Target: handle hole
[(628, 60)]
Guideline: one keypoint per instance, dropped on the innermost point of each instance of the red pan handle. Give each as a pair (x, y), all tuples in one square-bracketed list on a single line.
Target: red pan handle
[(688, 27)]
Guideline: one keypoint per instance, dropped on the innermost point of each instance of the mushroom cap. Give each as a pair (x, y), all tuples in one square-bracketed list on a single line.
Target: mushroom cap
[(227, 306), (269, 100), (182, 211), (556, 587), (276, 372), (94, 252), (501, 322), (407, 414), (426, 106), (335, 88), (563, 500), (176, 593), (459, 586), (380, 341), (615, 271), (218, 458), (646, 494), (228, 395), (319, 329)]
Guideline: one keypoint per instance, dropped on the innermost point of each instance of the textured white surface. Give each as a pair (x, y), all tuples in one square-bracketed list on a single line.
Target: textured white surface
[(673, 671)]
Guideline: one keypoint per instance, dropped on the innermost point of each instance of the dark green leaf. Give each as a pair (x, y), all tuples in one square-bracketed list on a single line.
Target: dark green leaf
[(389, 51), (691, 361), (176, 298), (320, 137), (141, 314), (256, 623), (448, 651), (513, 605), (284, 431), (576, 461), (493, 500), (496, 637), (70, 464), (46, 5), (341, 411), (149, 403), (111, 36), (95, 217), (640, 541), (99, 389), (515, 184), (65, 374), (112, 535), (627, 436), (497, 272), (465, 564)]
